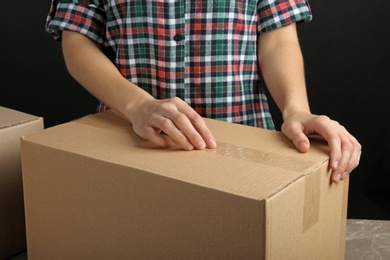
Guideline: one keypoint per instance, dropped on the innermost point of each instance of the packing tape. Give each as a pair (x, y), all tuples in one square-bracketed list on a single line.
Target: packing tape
[(262, 157), (312, 186), (311, 204)]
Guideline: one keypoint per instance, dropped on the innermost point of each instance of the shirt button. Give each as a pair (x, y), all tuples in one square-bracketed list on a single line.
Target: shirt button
[(178, 37)]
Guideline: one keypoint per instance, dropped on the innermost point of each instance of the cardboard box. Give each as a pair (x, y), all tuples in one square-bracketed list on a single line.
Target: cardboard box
[(95, 190), (13, 124)]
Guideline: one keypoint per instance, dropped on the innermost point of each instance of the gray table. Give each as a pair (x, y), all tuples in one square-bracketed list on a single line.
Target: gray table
[(367, 240)]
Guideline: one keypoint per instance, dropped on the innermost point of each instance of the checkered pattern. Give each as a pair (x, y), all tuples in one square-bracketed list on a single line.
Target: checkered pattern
[(203, 51)]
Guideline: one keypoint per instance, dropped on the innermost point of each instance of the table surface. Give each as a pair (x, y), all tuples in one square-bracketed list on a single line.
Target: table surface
[(367, 239)]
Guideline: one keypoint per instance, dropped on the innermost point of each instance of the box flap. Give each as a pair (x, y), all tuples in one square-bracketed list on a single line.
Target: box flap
[(272, 163), (10, 117)]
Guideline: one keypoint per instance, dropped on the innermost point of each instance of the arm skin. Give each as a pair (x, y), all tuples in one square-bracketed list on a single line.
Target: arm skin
[(98, 75), (281, 63)]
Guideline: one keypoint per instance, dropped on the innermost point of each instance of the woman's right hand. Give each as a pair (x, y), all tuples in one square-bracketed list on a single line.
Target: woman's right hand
[(150, 117), (156, 120)]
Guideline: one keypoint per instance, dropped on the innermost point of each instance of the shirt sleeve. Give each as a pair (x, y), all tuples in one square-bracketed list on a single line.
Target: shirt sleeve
[(84, 16), (274, 14)]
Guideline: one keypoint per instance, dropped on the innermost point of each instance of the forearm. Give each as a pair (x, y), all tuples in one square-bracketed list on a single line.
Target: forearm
[(98, 75), (281, 64)]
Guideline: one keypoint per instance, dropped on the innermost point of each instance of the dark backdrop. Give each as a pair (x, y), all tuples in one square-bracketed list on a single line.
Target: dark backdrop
[(347, 65)]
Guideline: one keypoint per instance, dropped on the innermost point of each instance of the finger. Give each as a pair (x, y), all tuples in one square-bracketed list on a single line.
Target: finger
[(201, 127), (153, 135), (174, 131), (353, 160), (334, 144), (331, 131), (346, 152), (295, 133), (349, 159), (169, 120), (202, 136), (336, 154), (183, 123)]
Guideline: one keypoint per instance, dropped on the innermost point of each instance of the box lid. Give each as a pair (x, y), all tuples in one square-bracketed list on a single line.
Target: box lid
[(10, 117), (250, 162)]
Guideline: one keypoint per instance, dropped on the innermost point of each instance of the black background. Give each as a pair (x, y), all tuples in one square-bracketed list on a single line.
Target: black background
[(346, 52)]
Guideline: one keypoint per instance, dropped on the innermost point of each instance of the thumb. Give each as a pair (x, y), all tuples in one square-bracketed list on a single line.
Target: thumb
[(297, 136)]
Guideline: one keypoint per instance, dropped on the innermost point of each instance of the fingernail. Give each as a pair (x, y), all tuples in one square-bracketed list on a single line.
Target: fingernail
[(337, 177), (189, 147), (345, 174), (201, 145), (212, 144), (169, 144), (302, 145), (336, 164)]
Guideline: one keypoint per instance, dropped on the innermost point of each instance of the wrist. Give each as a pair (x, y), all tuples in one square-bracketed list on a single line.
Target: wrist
[(138, 101), (288, 113)]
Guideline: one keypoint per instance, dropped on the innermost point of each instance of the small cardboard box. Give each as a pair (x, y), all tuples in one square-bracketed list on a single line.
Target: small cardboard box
[(13, 125), (95, 190)]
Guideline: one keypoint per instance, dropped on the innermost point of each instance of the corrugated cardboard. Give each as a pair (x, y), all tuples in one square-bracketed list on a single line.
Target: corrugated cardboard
[(95, 190), (13, 124)]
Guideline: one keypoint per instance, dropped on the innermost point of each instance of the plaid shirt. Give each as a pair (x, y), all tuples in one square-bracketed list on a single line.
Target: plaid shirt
[(203, 51)]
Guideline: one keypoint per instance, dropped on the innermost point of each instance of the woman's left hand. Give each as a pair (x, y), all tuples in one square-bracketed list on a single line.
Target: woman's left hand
[(345, 150)]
